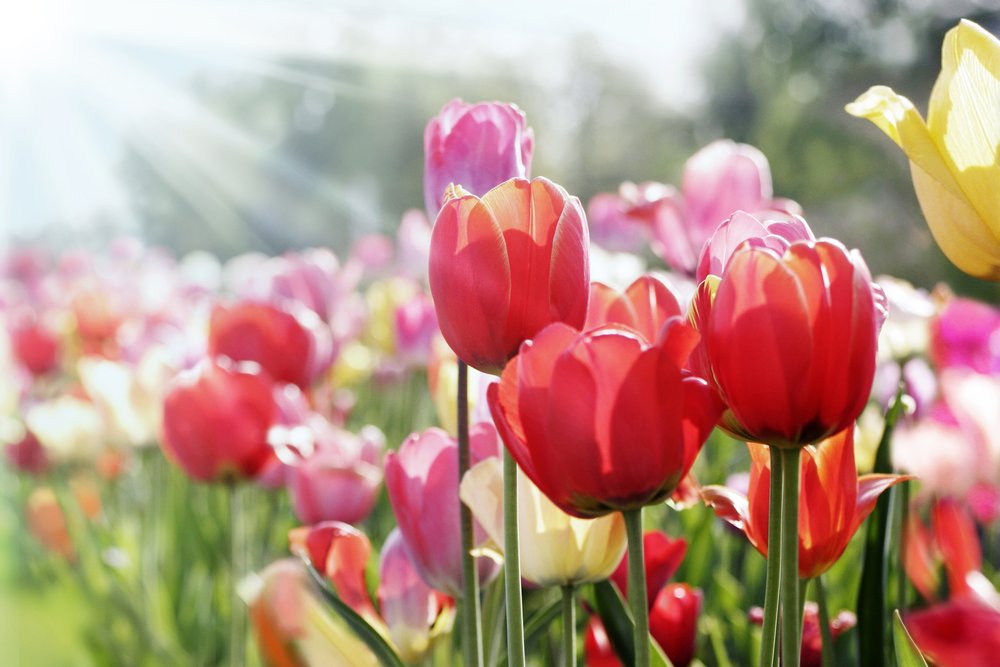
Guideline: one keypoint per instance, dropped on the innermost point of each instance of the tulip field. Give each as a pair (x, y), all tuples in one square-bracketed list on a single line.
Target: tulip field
[(665, 426)]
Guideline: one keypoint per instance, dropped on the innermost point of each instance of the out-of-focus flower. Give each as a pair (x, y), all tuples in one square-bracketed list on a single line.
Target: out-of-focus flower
[(790, 340), (812, 638), (622, 221), (36, 347), (339, 480), (604, 420), (504, 266), (833, 501), (673, 623), (422, 481), (442, 381), (413, 244), (215, 422), (132, 411), (618, 269), (293, 626), (720, 179), (477, 146), (69, 428), (952, 541), (27, 455), (958, 633), (414, 613), (662, 555), (555, 548), (416, 328), (47, 522), (955, 448), (776, 232), (644, 306), (289, 348), (966, 334), (906, 332), (953, 155)]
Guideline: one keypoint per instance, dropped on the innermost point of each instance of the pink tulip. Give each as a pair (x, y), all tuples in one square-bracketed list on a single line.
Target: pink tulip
[(477, 146), (776, 231), (720, 179), (340, 479), (966, 333), (339, 552), (422, 480), (36, 347), (416, 328), (621, 221), (959, 633), (409, 607)]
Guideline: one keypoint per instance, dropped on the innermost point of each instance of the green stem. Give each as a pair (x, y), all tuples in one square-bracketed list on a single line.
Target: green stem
[(237, 569), (769, 637), (637, 586), (472, 639), (512, 564), (569, 625), (789, 586), (824, 623)]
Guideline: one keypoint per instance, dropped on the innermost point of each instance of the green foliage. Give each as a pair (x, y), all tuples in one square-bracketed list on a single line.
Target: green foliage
[(907, 653)]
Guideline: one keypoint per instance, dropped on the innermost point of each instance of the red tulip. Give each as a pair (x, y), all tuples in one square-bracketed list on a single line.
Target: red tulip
[(833, 501), (960, 633), (791, 341), (288, 348), (662, 556), (953, 542), (477, 146), (673, 623), (604, 420), (644, 306), (339, 552), (36, 347), (27, 455), (812, 638), (215, 422), (504, 266), (422, 481)]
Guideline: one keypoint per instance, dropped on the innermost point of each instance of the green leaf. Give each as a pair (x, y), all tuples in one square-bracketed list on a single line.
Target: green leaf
[(362, 628), (872, 615), (536, 625), (907, 653), (618, 624)]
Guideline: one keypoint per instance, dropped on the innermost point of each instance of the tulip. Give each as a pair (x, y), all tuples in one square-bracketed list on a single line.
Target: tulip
[(27, 455), (69, 428), (953, 155), (604, 421), (36, 347), (477, 146), (790, 339), (812, 640), (340, 553), (340, 479), (620, 222), (662, 556), (834, 501), (422, 481), (289, 348), (414, 613), (46, 522), (555, 548), (673, 623), (644, 306), (774, 231), (959, 633), (293, 626), (964, 334), (504, 266), (721, 178), (215, 422)]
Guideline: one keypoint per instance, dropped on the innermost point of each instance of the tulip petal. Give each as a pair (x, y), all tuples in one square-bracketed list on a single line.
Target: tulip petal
[(728, 505)]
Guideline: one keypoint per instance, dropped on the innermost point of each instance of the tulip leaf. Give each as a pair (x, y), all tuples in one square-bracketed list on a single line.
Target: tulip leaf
[(372, 638), (617, 620), (536, 624), (873, 618), (907, 653)]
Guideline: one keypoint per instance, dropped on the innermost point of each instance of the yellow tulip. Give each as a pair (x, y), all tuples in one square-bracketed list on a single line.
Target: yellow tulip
[(556, 549), (955, 155)]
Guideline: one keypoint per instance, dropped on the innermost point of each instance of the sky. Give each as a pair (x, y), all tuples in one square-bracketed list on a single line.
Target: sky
[(77, 77)]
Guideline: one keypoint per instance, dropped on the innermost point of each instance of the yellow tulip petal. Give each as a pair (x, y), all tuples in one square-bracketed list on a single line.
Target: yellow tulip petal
[(964, 116), (898, 118)]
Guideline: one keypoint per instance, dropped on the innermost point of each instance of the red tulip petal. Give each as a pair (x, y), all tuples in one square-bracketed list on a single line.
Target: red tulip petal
[(957, 634), (956, 536), (569, 266)]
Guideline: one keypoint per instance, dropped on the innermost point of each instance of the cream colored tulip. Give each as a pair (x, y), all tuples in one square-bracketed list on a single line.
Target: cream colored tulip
[(69, 428), (955, 155), (556, 549)]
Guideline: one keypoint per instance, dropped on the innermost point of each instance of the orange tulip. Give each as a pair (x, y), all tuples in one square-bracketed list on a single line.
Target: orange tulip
[(833, 501)]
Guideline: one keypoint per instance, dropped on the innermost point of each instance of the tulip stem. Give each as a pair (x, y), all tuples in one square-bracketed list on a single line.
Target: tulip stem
[(569, 625), (472, 638), (637, 586), (769, 636), (791, 622), (237, 569), (512, 564), (824, 623)]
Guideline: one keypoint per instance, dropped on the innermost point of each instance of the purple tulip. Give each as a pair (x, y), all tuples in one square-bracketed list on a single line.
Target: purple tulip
[(477, 146)]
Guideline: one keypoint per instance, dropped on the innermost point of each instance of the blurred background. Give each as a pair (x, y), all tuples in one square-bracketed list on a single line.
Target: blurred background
[(275, 124)]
